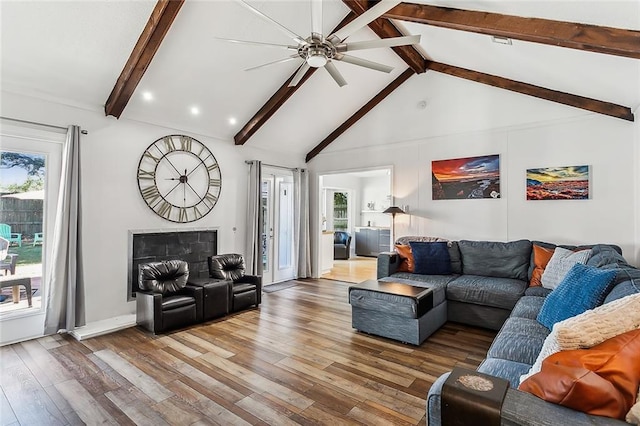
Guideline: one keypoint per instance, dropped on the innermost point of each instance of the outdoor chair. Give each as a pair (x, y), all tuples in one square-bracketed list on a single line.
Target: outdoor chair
[(12, 237), (38, 238), (7, 261)]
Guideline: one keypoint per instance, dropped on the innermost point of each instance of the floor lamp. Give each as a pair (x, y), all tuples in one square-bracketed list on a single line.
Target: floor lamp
[(393, 211)]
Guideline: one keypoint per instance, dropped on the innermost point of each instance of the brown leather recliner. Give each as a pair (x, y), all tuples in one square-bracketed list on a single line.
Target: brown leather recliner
[(165, 301), (246, 290)]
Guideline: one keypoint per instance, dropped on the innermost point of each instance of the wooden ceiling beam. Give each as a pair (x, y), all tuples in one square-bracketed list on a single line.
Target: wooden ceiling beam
[(581, 102), (360, 113), (612, 41), (148, 43), (384, 28), (279, 98)]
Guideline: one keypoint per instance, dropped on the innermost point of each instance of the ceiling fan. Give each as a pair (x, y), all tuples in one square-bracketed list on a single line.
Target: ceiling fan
[(318, 51)]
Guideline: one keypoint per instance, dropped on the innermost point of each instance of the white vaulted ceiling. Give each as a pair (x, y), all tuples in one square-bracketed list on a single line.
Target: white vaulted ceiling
[(73, 53)]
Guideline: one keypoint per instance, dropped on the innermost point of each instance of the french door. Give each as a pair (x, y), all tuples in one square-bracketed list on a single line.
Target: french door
[(278, 218), (28, 155)]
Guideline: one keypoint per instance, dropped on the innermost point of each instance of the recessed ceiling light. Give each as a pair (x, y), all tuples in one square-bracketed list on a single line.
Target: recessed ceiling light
[(232, 120), (195, 110), (147, 96), (501, 40)]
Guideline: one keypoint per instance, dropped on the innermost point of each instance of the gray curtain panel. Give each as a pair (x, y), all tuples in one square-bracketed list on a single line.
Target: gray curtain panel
[(65, 306), (301, 222), (253, 256)]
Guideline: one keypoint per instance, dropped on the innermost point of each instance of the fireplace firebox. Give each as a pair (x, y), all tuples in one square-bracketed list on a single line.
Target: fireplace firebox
[(192, 246)]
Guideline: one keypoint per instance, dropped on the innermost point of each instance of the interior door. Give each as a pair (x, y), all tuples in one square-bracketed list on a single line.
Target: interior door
[(278, 216)]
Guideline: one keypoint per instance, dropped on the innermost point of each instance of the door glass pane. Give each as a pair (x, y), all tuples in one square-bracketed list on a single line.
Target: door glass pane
[(22, 194), (265, 225), (340, 211), (285, 226)]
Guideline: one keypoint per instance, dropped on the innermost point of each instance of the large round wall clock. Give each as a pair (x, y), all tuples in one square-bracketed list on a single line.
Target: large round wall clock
[(179, 178)]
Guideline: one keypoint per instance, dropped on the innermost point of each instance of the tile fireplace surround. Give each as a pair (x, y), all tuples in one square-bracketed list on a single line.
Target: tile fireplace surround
[(192, 246)]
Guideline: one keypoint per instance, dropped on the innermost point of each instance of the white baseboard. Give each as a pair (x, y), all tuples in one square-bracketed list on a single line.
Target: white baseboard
[(106, 326)]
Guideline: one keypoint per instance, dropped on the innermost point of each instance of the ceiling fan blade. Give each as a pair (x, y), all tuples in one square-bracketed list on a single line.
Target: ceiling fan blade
[(333, 71), (257, 43), (281, 27), (364, 63), (299, 74), (316, 16), (370, 15), (279, 61), (373, 44)]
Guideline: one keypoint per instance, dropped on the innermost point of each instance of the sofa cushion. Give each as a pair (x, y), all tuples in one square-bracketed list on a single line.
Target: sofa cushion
[(519, 339), (406, 258), (583, 288), (602, 380), (590, 328), (456, 259), (560, 263), (431, 258), (496, 259), (528, 307), (537, 291), (487, 291), (504, 368), (540, 258)]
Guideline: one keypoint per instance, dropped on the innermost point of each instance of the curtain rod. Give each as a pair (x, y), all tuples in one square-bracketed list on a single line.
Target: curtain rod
[(84, 132), (277, 167)]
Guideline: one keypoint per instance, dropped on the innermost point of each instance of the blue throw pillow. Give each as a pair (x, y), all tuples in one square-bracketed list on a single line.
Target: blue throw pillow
[(431, 258), (583, 288)]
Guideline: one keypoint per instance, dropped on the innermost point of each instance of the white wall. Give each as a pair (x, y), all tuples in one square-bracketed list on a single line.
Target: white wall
[(609, 146), (112, 205), (376, 189)]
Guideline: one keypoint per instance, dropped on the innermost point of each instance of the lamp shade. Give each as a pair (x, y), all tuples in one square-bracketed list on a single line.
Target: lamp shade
[(393, 210)]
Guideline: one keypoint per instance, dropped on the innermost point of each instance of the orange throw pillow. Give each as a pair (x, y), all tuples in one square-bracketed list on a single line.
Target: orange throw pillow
[(406, 258), (541, 257), (602, 380)]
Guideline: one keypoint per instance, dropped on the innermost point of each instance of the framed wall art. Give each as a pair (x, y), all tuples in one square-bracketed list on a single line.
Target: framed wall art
[(471, 177), (558, 183)]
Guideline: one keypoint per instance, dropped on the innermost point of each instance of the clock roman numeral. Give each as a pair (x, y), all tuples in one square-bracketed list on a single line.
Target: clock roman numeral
[(196, 213), (143, 174), (212, 167), (150, 194), (185, 143), (151, 156), (164, 209), (214, 182), (211, 198), (182, 215), (168, 143)]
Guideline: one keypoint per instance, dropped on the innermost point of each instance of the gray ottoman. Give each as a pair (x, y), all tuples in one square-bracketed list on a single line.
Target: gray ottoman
[(396, 310)]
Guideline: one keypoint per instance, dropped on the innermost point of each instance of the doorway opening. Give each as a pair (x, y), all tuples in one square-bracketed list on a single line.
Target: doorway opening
[(277, 205), (353, 202)]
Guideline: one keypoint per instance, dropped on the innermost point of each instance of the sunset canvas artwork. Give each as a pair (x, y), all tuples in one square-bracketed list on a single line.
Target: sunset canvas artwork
[(471, 177), (558, 183)]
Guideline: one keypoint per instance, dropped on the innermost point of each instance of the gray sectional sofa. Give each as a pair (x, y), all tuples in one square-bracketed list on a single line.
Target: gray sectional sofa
[(489, 289)]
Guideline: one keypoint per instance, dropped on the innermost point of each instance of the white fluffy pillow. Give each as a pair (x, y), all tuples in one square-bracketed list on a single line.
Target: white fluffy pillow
[(560, 263), (633, 416), (590, 328)]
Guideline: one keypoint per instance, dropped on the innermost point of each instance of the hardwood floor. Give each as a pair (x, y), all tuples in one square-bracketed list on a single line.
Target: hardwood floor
[(295, 360), (354, 270)]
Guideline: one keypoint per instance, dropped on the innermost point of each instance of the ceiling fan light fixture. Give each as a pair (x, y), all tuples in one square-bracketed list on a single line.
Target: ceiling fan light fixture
[(317, 59)]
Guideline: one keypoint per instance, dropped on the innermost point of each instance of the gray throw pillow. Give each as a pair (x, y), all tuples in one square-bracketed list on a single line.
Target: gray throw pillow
[(560, 264)]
